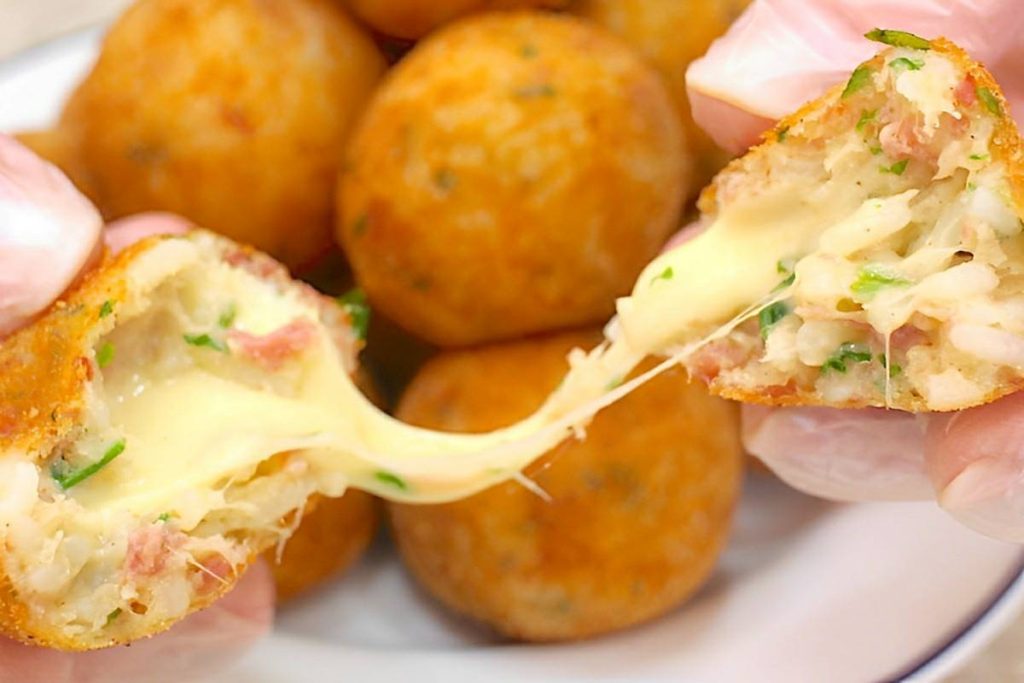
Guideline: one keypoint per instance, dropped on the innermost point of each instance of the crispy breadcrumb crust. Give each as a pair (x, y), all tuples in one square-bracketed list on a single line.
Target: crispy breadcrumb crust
[(1006, 146)]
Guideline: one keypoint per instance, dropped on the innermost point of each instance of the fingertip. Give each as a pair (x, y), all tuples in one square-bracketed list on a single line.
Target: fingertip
[(124, 232), (731, 127)]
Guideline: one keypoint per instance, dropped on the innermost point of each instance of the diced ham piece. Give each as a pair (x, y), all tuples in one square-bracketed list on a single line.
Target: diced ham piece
[(967, 92), (212, 575), (149, 548), (273, 349), (719, 355)]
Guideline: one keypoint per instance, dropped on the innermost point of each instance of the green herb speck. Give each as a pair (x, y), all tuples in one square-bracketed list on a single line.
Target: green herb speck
[(67, 478), (782, 133), (614, 383), (875, 151), (445, 179), (785, 283), (205, 340), (896, 169), (105, 354), (978, 157), (898, 39), (113, 615), (770, 316), (227, 317), (666, 274), (866, 117), (894, 371), (528, 51), (360, 224), (991, 102), (907, 63), (391, 479), (533, 92), (873, 277), (164, 518), (354, 303), (847, 352), (858, 79), (106, 308), (785, 266)]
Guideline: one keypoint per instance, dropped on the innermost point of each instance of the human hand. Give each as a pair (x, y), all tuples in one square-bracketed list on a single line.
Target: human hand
[(778, 55), (49, 235)]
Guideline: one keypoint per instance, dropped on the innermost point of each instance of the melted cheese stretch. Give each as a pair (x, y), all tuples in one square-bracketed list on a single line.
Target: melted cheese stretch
[(191, 429), (192, 426)]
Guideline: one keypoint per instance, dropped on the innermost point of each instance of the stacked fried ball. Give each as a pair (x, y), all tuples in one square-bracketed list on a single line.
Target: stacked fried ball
[(491, 195)]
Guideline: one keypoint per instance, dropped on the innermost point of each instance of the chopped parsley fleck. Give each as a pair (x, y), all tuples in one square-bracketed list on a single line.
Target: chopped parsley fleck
[(106, 308), (866, 117), (847, 352), (785, 283), (207, 341), (528, 51), (978, 157), (782, 133), (445, 179), (360, 224), (785, 266), (770, 316), (613, 383), (164, 518), (898, 38), (105, 354), (227, 317), (895, 370), (532, 92), (858, 79), (907, 63), (354, 303), (67, 478), (873, 277), (113, 615), (666, 274), (991, 102), (391, 479), (972, 186), (876, 150), (896, 169)]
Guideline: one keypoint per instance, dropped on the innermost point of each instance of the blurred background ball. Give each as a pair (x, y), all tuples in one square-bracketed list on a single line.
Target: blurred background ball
[(513, 174), (638, 512), (411, 19), (329, 540), (232, 113), (671, 34)]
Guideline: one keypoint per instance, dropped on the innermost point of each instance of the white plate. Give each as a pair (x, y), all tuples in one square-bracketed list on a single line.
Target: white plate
[(808, 591)]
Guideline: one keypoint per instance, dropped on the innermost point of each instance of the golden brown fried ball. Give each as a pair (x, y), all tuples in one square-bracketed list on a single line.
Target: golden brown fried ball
[(513, 175), (413, 19), (638, 515), (671, 34), (328, 541), (233, 113)]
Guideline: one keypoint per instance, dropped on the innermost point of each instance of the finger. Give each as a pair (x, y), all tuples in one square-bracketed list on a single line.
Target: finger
[(201, 646), (976, 461), (48, 233), (841, 454), (127, 231), (782, 53), (686, 234)]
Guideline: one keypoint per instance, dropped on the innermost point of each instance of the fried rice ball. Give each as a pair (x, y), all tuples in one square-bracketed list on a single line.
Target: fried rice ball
[(329, 540), (412, 19), (671, 34), (513, 175), (232, 113), (637, 516)]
